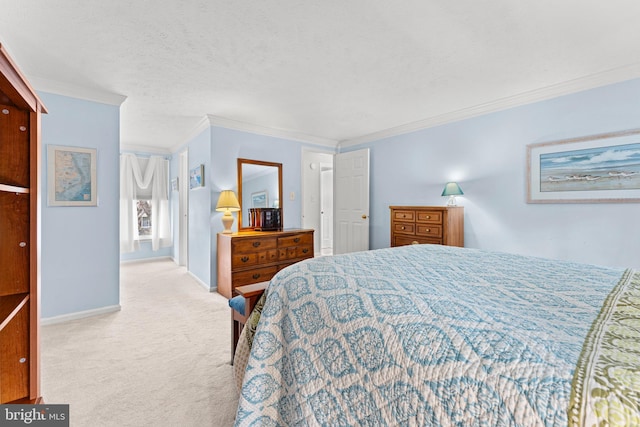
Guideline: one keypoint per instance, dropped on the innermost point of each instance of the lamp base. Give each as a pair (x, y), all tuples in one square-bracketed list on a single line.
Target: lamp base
[(452, 201), (227, 222)]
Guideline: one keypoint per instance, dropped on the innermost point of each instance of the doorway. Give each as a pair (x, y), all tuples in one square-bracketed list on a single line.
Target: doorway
[(317, 199)]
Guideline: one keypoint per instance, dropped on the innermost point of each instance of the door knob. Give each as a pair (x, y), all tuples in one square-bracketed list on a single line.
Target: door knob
[(364, 216)]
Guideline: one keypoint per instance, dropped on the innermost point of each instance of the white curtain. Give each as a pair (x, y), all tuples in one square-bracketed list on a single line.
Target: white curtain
[(152, 185)]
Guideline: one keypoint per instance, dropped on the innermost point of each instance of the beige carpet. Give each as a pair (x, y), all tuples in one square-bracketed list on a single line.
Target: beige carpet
[(163, 360)]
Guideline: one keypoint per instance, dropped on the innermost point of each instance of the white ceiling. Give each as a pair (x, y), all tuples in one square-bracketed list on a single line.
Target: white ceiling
[(323, 71)]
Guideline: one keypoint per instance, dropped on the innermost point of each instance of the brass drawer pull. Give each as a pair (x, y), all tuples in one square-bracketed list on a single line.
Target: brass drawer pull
[(296, 240), (256, 275), (402, 228), (415, 242), (256, 244), (427, 230), (244, 259), (427, 217)]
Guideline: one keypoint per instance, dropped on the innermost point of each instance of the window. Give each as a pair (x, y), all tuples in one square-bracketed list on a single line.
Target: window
[(144, 219), (144, 202)]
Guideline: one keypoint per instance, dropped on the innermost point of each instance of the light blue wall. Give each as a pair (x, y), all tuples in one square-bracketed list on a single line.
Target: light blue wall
[(487, 156), (200, 200), (80, 250)]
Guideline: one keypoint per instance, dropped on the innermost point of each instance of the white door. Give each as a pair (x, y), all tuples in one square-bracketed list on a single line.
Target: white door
[(183, 208), (351, 202), (326, 208)]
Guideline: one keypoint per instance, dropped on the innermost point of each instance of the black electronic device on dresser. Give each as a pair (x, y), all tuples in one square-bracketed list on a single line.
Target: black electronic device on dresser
[(265, 219)]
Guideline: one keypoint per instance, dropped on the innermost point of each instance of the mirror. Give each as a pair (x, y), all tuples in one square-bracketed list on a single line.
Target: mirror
[(259, 186)]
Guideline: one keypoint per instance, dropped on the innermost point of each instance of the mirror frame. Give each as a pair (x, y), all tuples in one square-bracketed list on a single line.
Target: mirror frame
[(260, 163)]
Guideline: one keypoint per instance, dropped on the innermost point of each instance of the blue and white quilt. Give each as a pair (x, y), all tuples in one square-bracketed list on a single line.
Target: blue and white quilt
[(421, 335)]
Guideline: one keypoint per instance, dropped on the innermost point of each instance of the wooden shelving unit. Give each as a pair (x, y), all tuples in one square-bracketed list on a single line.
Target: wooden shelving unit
[(20, 110)]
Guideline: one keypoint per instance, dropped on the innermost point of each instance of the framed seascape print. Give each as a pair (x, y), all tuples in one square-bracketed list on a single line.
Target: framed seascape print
[(196, 177), (71, 176), (259, 199), (601, 168)]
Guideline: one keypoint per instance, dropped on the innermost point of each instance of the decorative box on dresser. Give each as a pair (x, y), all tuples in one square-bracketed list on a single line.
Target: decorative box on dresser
[(20, 110), (442, 225), (248, 257)]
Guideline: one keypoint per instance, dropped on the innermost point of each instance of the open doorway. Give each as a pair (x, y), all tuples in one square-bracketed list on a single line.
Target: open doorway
[(317, 199)]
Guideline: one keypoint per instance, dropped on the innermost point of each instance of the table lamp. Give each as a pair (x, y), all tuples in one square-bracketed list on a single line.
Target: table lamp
[(452, 189), (227, 203)]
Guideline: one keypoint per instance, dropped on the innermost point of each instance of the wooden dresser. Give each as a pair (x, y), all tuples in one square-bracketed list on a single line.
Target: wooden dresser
[(442, 225), (256, 256), (20, 115)]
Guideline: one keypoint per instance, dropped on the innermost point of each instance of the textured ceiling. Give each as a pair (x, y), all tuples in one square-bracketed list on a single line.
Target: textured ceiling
[(331, 70)]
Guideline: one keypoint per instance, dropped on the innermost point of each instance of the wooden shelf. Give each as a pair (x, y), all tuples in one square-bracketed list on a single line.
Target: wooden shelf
[(20, 212), (9, 307), (13, 189)]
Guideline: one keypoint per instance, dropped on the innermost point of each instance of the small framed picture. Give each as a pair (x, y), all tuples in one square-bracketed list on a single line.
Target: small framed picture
[(196, 177), (174, 184), (71, 176), (259, 199)]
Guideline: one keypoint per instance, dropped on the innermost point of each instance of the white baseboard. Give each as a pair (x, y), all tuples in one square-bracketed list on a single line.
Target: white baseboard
[(197, 279), (79, 315), (140, 260)]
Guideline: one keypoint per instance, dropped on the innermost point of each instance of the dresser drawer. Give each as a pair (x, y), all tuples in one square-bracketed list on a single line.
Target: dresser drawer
[(403, 227), (407, 240), (253, 245), (429, 216), (429, 230), (295, 240), (249, 259), (293, 252), (404, 216), (253, 276)]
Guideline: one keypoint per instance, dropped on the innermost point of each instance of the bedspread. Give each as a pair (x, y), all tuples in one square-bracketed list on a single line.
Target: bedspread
[(421, 335), (606, 384)]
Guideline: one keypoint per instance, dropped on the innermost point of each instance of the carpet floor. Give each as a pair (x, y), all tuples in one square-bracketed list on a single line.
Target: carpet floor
[(163, 360)]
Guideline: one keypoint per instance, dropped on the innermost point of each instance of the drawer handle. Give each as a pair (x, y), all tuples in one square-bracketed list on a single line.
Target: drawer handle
[(244, 259), (404, 216), (402, 228), (305, 250), (427, 217), (428, 230), (296, 240), (415, 242), (256, 275), (256, 244)]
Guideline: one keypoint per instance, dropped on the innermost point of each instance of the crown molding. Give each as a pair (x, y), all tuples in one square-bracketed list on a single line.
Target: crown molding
[(593, 81), (74, 91), (202, 125), (263, 130), (148, 149)]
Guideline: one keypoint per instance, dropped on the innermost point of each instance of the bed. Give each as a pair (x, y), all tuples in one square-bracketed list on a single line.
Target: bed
[(438, 335)]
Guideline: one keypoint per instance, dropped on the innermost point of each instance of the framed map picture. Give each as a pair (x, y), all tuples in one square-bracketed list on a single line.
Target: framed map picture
[(71, 176)]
